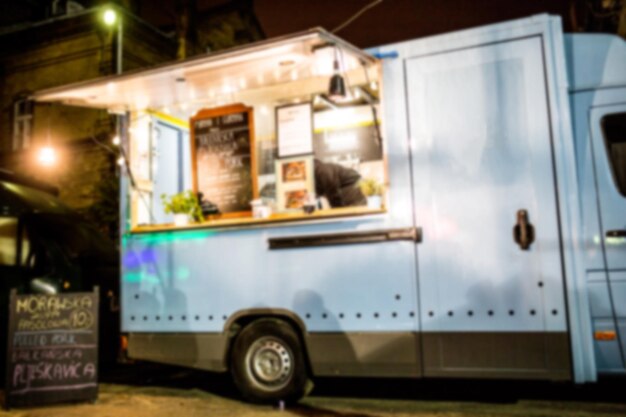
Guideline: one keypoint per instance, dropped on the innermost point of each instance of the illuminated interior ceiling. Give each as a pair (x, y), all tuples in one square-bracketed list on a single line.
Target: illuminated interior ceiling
[(205, 78)]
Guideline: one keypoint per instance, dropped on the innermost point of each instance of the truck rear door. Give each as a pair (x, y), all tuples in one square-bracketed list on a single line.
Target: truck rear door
[(490, 265)]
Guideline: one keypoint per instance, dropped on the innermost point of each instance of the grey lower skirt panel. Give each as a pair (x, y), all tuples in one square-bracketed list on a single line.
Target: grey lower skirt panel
[(528, 355), (194, 350), (375, 354)]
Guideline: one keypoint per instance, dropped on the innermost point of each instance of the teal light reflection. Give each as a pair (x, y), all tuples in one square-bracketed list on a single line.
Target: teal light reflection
[(158, 238)]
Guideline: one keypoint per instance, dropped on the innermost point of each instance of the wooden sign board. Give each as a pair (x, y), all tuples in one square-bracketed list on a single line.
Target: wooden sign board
[(52, 353), (223, 158)]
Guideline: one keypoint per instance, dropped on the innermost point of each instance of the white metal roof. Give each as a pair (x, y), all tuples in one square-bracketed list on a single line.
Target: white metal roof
[(199, 79)]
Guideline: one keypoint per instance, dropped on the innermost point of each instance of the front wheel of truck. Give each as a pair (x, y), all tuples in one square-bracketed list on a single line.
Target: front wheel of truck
[(267, 362)]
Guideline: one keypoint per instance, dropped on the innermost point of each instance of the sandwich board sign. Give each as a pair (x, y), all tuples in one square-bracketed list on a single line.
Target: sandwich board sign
[(52, 351)]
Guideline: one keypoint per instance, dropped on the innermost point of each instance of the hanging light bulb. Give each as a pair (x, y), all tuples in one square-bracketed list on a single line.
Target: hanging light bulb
[(337, 85)]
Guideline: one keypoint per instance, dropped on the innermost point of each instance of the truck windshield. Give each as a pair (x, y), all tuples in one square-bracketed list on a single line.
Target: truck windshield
[(73, 236)]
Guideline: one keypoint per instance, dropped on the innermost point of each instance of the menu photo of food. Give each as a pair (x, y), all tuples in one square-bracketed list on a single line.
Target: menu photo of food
[(294, 182), (294, 171), (295, 199)]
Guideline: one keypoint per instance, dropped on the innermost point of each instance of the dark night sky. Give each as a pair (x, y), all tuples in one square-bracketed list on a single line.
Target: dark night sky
[(387, 22), (390, 21), (395, 20)]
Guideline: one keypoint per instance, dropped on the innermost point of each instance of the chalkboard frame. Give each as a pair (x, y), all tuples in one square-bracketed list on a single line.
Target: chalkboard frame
[(218, 112)]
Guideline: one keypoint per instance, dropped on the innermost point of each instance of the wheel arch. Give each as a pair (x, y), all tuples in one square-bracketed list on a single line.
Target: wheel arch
[(240, 319)]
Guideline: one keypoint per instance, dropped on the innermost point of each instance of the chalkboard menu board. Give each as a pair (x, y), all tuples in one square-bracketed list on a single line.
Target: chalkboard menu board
[(52, 353), (222, 143)]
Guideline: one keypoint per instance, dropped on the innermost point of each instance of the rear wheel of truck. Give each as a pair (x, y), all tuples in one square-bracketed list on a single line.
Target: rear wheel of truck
[(267, 362)]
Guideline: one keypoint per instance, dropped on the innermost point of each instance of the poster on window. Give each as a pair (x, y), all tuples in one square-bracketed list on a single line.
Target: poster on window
[(295, 129), (295, 185)]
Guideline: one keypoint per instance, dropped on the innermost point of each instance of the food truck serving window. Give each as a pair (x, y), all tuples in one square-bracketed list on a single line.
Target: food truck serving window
[(281, 130), (259, 153), (238, 175)]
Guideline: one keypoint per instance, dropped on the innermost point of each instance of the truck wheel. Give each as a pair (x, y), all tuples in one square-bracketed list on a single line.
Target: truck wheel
[(267, 362)]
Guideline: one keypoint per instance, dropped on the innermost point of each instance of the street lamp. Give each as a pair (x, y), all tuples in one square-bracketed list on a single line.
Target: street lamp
[(111, 17)]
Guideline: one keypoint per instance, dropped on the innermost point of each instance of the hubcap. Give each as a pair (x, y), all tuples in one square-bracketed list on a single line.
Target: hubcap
[(269, 363)]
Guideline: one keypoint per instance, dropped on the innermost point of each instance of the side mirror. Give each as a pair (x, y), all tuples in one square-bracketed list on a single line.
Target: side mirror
[(43, 285)]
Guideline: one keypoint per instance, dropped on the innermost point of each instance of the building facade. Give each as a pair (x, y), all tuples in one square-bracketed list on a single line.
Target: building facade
[(71, 47)]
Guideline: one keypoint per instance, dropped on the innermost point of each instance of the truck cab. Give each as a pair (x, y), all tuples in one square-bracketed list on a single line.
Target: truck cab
[(597, 85)]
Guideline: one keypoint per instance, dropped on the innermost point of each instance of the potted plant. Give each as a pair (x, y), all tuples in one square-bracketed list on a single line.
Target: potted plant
[(184, 206), (373, 190)]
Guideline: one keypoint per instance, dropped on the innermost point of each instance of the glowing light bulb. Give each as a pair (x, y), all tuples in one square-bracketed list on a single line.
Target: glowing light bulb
[(47, 156), (116, 140), (121, 161)]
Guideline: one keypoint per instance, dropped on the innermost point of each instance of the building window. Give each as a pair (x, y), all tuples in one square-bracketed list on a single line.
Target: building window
[(65, 7), (614, 128), (22, 123)]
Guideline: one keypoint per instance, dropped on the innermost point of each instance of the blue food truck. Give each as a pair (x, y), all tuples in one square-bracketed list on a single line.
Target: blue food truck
[(452, 206)]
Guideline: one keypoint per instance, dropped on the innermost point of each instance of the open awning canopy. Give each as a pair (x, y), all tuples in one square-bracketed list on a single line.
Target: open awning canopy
[(209, 77)]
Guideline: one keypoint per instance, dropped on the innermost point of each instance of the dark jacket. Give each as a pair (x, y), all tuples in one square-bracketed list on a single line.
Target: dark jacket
[(338, 184)]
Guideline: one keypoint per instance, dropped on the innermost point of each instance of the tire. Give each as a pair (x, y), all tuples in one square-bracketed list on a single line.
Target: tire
[(267, 362)]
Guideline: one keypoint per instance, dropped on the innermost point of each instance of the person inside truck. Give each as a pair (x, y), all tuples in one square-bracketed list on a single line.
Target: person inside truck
[(338, 184)]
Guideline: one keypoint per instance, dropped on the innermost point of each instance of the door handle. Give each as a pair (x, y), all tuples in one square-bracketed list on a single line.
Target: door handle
[(524, 231), (616, 233)]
